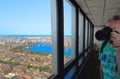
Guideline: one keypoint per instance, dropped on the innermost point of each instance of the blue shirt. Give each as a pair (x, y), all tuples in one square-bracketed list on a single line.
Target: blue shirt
[(108, 62)]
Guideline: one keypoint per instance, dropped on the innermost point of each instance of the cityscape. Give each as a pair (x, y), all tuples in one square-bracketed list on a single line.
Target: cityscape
[(25, 39), (28, 57)]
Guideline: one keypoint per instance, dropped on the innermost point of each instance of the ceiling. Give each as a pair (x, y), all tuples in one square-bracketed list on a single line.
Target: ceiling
[(99, 11)]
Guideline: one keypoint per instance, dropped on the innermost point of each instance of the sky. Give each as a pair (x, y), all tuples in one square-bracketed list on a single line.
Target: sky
[(30, 17)]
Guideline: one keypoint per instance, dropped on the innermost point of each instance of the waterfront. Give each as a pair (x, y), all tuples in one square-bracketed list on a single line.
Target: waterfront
[(46, 48), (28, 57)]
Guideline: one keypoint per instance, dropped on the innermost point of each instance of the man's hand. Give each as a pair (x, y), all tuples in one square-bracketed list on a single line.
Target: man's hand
[(115, 37)]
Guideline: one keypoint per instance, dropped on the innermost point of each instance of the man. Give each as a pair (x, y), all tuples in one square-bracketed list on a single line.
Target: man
[(115, 37), (110, 57)]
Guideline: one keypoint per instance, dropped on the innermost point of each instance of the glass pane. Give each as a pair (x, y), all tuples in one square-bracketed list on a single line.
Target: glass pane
[(89, 35), (86, 54), (70, 73), (86, 34), (25, 39), (80, 61), (80, 32), (67, 31)]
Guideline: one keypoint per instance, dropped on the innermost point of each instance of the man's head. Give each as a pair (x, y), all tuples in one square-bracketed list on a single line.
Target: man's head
[(114, 23)]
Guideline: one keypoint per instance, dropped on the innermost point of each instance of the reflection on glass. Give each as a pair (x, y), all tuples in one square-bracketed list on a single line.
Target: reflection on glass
[(89, 35), (80, 61), (25, 39), (80, 32), (86, 54), (67, 32), (86, 34), (69, 74)]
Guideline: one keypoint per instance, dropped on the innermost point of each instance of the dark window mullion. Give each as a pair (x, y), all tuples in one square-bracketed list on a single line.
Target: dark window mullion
[(92, 33), (57, 37), (77, 34), (60, 36), (88, 34)]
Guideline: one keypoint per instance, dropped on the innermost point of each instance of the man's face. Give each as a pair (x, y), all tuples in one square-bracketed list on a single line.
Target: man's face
[(117, 25), (115, 35), (114, 25)]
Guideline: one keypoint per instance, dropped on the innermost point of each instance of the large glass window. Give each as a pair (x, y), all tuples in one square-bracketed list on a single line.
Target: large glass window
[(89, 34), (67, 31), (25, 39), (80, 32), (86, 34)]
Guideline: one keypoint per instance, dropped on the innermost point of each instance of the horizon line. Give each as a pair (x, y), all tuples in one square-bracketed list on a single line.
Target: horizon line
[(29, 35)]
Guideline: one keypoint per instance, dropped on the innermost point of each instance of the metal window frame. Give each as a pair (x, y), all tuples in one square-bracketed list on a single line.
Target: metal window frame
[(59, 70), (57, 25), (88, 35)]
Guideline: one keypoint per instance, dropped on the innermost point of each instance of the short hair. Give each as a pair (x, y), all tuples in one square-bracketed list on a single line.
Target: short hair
[(116, 17)]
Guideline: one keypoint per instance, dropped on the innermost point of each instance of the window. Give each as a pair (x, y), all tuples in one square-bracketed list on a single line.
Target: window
[(67, 31), (80, 32), (86, 34), (64, 24), (89, 34), (25, 38)]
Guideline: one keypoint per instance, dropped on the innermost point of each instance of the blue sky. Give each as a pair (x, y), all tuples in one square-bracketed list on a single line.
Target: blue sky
[(29, 17)]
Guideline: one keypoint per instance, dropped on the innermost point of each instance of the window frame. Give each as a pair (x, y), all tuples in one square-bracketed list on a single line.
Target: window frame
[(60, 70)]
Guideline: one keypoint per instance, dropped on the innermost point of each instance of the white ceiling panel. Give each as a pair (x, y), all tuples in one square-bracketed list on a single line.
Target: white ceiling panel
[(99, 11)]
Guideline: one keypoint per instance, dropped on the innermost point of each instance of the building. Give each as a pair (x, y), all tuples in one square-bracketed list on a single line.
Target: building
[(19, 69)]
